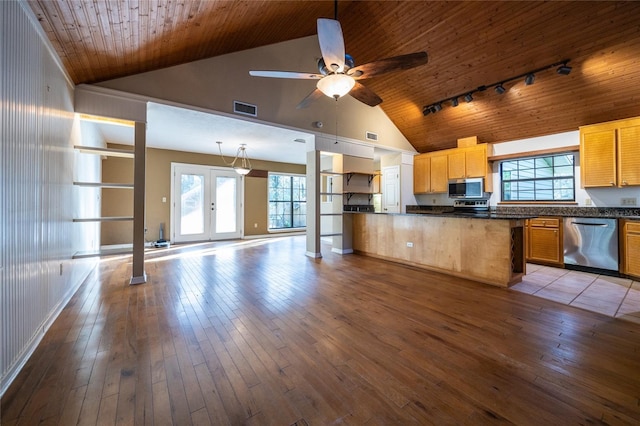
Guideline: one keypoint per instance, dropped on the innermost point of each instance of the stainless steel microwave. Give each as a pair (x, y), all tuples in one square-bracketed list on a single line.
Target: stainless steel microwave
[(467, 188)]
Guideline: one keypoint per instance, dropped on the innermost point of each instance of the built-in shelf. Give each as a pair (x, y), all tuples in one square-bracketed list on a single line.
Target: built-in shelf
[(370, 176), (331, 193), (111, 152), (105, 219), (351, 194), (103, 252), (104, 185)]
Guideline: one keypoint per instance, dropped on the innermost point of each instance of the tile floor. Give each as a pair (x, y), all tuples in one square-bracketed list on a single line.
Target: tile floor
[(612, 296)]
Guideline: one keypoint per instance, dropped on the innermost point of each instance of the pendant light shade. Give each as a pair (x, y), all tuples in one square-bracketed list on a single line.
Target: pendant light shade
[(243, 166), (336, 85)]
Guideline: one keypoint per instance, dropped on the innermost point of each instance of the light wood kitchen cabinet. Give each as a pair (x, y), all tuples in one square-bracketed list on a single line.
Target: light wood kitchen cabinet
[(430, 173), (544, 241), (631, 248), (471, 162), (610, 154)]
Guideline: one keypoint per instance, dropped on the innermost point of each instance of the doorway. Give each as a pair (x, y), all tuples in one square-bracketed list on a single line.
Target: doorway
[(391, 189), (207, 203)]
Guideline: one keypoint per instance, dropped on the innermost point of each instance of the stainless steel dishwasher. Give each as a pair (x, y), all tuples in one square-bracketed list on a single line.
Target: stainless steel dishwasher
[(591, 242)]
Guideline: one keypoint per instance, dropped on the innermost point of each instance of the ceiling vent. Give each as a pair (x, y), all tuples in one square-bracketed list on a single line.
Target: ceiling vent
[(244, 108), (371, 136)]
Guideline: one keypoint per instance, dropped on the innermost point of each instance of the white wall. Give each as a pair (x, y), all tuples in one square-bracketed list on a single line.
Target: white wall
[(38, 237)]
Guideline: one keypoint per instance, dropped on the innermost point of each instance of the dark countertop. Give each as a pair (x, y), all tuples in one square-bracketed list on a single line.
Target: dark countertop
[(517, 212)]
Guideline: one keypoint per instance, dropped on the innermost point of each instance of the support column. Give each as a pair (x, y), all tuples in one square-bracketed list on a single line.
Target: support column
[(313, 204), (138, 276)]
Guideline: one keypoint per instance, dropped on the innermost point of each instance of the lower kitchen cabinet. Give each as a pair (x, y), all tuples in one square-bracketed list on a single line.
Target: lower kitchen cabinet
[(631, 248), (544, 241)]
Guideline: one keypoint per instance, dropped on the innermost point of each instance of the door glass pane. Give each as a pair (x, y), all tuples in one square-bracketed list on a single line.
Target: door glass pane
[(225, 204), (191, 204)]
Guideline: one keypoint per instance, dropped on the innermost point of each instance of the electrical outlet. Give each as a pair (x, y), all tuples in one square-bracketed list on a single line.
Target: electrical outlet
[(255, 225), (409, 244), (631, 201), (587, 202)]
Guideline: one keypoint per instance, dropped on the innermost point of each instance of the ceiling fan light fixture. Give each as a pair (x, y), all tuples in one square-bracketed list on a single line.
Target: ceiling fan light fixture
[(336, 85), (500, 89), (529, 79)]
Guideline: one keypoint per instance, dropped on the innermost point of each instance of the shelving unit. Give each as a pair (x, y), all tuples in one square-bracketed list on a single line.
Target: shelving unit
[(106, 152)]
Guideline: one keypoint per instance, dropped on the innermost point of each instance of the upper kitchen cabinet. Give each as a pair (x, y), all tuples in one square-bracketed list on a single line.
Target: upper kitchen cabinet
[(471, 162), (610, 154), (430, 173)]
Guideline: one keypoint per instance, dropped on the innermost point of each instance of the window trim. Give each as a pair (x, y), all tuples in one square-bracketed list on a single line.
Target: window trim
[(292, 228), (553, 178)]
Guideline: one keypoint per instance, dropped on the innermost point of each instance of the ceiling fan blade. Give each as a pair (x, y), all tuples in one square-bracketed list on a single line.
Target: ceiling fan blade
[(287, 74), (310, 98), (331, 44), (364, 95), (402, 62)]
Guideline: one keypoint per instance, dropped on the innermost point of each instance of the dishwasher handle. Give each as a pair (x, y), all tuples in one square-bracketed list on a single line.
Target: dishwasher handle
[(603, 225)]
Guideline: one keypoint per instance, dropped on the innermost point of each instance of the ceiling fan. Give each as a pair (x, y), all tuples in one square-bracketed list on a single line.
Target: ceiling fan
[(338, 74)]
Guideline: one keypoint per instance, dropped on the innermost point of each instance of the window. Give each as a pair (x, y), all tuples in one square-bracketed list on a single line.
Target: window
[(548, 178), (287, 201)]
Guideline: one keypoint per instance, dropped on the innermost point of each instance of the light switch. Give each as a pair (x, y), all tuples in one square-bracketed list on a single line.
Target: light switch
[(164, 199)]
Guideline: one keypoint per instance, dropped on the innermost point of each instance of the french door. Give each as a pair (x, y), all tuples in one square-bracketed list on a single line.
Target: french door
[(206, 203)]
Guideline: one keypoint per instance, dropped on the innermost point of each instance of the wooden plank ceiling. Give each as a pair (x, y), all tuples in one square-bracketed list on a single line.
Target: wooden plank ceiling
[(470, 44)]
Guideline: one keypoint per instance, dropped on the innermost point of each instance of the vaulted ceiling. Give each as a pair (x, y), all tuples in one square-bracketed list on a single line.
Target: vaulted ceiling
[(470, 45)]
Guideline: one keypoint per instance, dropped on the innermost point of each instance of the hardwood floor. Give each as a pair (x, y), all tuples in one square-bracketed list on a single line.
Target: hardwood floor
[(254, 332)]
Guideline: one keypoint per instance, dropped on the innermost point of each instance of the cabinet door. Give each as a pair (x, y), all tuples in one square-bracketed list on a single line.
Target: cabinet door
[(631, 248), (439, 180), (544, 245), (476, 162), (421, 174), (456, 165), (629, 155), (598, 158)]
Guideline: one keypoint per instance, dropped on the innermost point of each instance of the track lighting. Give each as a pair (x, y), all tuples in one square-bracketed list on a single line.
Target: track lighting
[(529, 79), (498, 87), (564, 69)]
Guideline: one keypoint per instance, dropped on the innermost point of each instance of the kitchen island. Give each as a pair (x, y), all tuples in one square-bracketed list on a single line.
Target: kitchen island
[(485, 249)]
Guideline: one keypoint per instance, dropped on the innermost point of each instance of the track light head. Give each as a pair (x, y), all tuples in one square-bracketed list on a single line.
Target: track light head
[(468, 97), (564, 69), (437, 107), (426, 110), (529, 79), (454, 102), (500, 89)]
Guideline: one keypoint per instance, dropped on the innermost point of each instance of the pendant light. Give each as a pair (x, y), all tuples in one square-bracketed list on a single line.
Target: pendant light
[(244, 165)]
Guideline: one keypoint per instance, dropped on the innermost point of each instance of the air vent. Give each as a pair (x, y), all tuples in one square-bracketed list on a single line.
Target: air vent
[(371, 136), (246, 109)]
